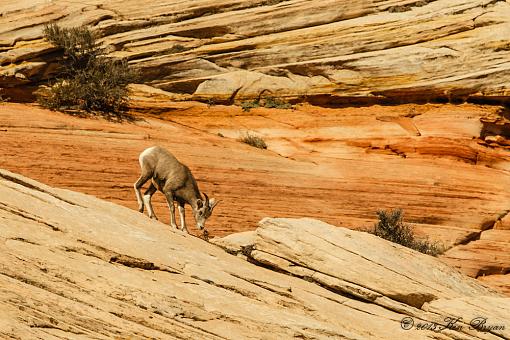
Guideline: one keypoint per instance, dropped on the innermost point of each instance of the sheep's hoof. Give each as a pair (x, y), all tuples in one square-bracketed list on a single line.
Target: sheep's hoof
[(140, 209), (205, 235), (153, 217)]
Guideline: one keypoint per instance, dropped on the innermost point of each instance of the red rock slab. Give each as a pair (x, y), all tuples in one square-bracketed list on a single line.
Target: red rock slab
[(498, 281)]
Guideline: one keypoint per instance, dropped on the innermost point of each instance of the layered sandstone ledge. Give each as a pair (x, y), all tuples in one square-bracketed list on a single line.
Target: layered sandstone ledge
[(326, 51), (72, 265)]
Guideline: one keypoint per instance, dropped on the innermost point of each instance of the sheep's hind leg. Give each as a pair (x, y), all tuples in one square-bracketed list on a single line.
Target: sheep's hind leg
[(170, 200), (138, 185), (147, 200)]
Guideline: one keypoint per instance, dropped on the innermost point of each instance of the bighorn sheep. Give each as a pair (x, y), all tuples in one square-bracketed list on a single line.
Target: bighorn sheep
[(176, 182)]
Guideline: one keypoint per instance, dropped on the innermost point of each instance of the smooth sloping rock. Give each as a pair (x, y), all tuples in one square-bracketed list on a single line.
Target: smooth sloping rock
[(482, 314), (358, 263), (323, 249), (339, 51), (74, 266)]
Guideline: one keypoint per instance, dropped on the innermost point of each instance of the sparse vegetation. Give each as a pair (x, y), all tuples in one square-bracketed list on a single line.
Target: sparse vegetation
[(391, 227), (87, 80), (269, 102), (276, 103), (248, 105), (408, 7), (253, 140), (4, 99)]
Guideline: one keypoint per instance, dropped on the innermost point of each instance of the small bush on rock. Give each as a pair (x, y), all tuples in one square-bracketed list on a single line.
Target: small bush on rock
[(269, 102), (392, 228), (248, 105), (87, 80), (276, 103), (253, 140)]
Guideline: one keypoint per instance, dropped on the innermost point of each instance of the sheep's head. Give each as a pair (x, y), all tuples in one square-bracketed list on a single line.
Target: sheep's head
[(204, 210)]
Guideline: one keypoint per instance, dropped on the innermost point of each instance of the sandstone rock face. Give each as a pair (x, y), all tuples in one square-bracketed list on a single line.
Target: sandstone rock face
[(73, 266), (353, 262), (360, 265), (324, 51), (336, 165)]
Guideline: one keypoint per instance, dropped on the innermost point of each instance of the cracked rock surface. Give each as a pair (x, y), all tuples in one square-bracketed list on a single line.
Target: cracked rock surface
[(365, 268), (73, 266)]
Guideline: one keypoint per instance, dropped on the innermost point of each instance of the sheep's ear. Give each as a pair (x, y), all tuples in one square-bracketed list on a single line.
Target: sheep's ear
[(212, 203), (200, 203)]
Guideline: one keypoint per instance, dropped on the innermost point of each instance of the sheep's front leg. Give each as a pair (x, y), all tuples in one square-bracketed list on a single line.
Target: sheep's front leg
[(170, 200), (181, 215)]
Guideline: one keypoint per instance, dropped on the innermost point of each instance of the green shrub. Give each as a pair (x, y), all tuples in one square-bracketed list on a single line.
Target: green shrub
[(276, 103), (269, 102), (87, 80), (248, 105), (392, 228), (253, 140)]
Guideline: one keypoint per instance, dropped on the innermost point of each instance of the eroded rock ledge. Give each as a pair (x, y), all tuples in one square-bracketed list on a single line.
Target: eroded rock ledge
[(351, 263), (107, 271), (326, 52)]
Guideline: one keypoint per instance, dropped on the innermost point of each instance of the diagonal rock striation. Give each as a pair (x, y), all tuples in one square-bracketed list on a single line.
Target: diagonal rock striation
[(112, 272), (326, 52)]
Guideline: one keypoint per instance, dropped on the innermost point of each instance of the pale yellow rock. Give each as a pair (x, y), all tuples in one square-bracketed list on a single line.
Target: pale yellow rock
[(389, 50), (363, 259), (479, 315), (235, 243)]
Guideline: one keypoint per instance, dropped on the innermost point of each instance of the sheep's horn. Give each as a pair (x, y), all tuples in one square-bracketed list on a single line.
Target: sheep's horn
[(206, 200)]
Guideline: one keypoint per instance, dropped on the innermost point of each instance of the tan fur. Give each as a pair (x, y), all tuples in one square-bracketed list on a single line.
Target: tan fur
[(176, 182)]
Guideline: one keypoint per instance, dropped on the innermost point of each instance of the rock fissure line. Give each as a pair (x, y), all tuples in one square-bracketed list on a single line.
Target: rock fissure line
[(43, 287), (344, 291), (41, 316), (229, 288), (19, 181), (367, 259), (266, 286), (361, 256), (122, 259), (26, 215)]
